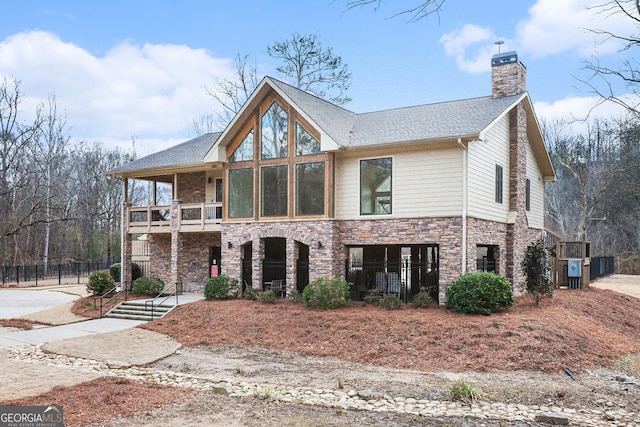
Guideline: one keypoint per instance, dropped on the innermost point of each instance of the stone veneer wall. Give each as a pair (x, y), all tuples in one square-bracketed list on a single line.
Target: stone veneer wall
[(483, 232), (519, 235), (329, 259), (322, 262), (508, 79), (194, 269), (160, 256), (192, 187), (445, 232)]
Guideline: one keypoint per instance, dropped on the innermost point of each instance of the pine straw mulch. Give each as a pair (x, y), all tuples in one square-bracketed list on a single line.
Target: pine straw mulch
[(105, 399), (577, 330), (85, 306), (17, 323)]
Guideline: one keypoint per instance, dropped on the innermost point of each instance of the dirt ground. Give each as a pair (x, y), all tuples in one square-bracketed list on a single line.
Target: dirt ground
[(596, 334), (622, 283)]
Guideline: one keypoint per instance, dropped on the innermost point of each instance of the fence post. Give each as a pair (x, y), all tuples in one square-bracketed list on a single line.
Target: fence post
[(36, 275), (18, 275)]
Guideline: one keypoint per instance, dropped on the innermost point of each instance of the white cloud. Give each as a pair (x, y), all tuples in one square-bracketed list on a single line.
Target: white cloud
[(552, 27), (150, 91), (577, 112), (556, 26), (458, 43)]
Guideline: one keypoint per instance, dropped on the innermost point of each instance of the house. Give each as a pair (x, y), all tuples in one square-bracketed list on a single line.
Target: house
[(296, 188)]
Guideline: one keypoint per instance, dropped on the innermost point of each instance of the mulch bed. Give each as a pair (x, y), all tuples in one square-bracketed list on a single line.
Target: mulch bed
[(577, 330), (105, 399)]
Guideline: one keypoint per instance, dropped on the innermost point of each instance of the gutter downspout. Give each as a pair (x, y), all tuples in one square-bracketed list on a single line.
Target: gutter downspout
[(464, 204)]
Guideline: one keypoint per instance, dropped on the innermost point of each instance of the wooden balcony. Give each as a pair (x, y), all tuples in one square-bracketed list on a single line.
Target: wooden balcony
[(191, 217)]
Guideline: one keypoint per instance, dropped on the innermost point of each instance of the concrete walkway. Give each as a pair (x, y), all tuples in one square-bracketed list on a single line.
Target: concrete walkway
[(53, 305), (73, 330)]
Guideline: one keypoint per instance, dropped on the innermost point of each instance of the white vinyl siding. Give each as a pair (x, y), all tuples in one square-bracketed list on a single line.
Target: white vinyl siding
[(426, 183), (483, 158), (535, 216)]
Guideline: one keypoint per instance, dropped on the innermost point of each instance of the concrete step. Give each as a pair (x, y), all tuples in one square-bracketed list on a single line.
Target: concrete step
[(139, 310), (145, 318), (124, 306)]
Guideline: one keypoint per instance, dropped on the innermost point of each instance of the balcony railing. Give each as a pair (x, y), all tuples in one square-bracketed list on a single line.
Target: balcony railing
[(191, 217)]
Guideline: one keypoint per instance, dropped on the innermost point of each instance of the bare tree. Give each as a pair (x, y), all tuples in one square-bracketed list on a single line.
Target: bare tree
[(624, 75), (50, 151), (18, 188), (204, 124), (594, 196), (421, 10), (230, 94), (313, 67)]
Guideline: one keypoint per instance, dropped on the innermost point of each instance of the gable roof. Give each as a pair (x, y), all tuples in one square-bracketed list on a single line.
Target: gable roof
[(466, 118), (185, 155), (342, 129)]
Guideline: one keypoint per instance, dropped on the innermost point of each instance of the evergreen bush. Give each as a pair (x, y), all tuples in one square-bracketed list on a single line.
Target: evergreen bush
[(390, 302), (250, 294), (536, 269), (267, 297), (422, 300), (480, 293), (100, 282), (326, 293), (147, 286), (114, 271), (294, 296), (221, 287), (373, 297)]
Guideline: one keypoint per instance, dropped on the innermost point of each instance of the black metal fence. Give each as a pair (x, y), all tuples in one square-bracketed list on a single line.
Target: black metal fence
[(405, 278), (602, 266), (273, 270), (16, 274)]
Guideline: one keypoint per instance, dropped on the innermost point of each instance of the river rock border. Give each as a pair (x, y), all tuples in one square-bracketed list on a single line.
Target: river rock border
[(362, 400)]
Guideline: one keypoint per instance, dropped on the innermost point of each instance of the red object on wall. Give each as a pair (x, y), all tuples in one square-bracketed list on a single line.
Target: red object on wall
[(214, 271)]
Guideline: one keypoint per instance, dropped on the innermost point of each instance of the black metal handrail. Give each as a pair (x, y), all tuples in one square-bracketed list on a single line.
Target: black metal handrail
[(116, 290), (167, 294)]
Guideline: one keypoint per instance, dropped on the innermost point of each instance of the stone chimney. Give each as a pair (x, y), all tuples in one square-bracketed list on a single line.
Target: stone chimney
[(508, 75)]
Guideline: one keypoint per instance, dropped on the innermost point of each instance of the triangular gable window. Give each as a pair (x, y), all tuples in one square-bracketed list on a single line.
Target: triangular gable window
[(275, 126), (305, 143), (244, 151)]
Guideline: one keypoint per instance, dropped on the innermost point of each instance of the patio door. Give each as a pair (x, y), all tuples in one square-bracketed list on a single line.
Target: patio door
[(274, 264)]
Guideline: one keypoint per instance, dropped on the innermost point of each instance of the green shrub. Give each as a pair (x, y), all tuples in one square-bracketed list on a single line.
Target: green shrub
[(536, 268), (267, 297), (422, 300), (114, 271), (100, 282), (481, 293), (326, 293), (294, 296), (373, 297), (147, 286), (390, 302), (462, 390), (221, 287), (250, 294)]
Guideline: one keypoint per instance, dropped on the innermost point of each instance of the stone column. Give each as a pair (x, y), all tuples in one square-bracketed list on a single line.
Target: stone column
[(176, 242), (292, 261), (125, 262), (518, 236), (257, 256)]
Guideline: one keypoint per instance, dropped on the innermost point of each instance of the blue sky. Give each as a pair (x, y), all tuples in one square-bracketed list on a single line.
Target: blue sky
[(139, 67)]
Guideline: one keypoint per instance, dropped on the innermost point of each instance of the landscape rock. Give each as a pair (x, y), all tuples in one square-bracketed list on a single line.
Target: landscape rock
[(556, 418)]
